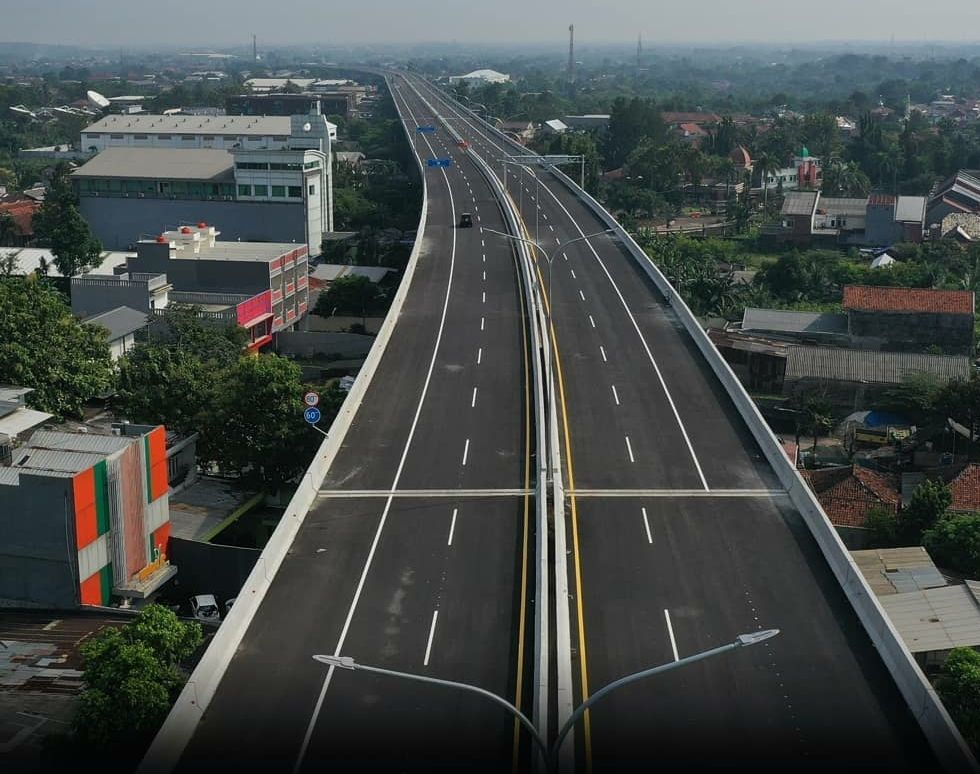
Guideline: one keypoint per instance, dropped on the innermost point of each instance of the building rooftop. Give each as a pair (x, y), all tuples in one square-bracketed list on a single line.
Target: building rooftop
[(29, 458), (328, 272), (120, 322), (27, 260), (778, 321), (211, 164), (965, 489), (255, 126), (873, 367), (898, 570), (849, 492), (839, 206), (936, 619), (800, 203), (92, 443), (261, 252), (910, 209), (866, 298)]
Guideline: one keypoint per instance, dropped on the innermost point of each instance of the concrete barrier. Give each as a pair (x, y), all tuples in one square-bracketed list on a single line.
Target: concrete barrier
[(177, 730), (946, 741)]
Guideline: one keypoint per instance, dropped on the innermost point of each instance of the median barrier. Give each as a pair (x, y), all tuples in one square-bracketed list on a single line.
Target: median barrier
[(178, 728)]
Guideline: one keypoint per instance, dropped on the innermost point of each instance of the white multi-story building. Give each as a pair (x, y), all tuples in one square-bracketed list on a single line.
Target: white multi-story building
[(180, 131), (264, 178)]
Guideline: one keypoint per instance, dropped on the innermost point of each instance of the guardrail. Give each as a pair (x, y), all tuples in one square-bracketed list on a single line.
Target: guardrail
[(938, 727), (540, 349), (177, 730), (945, 739)]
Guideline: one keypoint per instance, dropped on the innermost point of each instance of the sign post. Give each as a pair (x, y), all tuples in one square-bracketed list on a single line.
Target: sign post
[(312, 414)]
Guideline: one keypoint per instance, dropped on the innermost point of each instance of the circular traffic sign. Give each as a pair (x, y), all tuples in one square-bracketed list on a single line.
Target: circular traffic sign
[(311, 399), (312, 415)]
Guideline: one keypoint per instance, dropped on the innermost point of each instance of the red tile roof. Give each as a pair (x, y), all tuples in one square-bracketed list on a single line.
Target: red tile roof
[(690, 118), (882, 199), (22, 212), (874, 299), (848, 493), (693, 129), (966, 489)]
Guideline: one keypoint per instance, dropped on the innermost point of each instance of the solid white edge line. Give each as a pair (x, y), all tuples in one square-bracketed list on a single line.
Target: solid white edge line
[(452, 526), (432, 632), (670, 631), (384, 514), (646, 523), (466, 451), (629, 448)]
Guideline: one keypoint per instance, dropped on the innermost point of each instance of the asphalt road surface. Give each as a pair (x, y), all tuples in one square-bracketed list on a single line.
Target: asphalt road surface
[(706, 549), (433, 584)]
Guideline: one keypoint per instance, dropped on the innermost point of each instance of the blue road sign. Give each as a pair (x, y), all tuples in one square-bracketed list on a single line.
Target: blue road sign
[(425, 129), (312, 415), (439, 162)]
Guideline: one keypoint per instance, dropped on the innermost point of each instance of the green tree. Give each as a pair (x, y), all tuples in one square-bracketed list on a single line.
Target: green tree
[(354, 295), (959, 687), (915, 398), (131, 678), (927, 506), (954, 542), (257, 422), (814, 415), (60, 225), (47, 349), (882, 527), (630, 121)]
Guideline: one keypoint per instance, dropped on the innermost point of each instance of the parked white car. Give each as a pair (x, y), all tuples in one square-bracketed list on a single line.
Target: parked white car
[(204, 607)]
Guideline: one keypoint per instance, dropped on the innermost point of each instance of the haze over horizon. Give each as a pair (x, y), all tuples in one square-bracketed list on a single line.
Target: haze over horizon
[(219, 23)]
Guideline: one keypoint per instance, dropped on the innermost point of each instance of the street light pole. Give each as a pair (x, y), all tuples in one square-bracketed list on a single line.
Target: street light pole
[(743, 640), (550, 754), (346, 662)]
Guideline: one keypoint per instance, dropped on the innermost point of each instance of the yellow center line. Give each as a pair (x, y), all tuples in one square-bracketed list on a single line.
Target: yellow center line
[(587, 721), (519, 689)]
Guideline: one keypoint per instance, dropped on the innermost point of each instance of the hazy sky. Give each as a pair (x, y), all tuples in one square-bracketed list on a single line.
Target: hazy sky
[(200, 23)]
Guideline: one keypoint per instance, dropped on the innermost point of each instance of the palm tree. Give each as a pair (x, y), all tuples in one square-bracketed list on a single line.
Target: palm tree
[(765, 164)]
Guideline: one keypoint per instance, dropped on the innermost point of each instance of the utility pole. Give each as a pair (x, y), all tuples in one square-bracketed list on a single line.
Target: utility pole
[(639, 49), (255, 50)]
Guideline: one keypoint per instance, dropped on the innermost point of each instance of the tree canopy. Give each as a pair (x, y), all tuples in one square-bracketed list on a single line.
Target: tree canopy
[(959, 687), (48, 349), (954, 542), (60, 225)]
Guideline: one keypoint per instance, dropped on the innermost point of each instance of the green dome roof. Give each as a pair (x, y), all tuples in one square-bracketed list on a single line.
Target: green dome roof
[(805, 153)]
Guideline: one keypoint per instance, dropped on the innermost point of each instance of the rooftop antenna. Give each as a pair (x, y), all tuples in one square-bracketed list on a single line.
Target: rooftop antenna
[(639, 48), (255, 50), (571, 54)]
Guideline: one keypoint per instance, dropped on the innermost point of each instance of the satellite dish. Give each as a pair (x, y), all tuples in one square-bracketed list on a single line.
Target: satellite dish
[(307, 126), (97, 100)]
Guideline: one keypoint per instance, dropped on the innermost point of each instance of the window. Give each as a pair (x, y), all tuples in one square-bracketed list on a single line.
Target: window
[(163, 136), (261, 190), (187, 137), (244, 190), (251, 165), (139, 136), (280, 138), (315, 164), (230, 138), (295, 192), (92, 136), (116, 136), (312, 190), (279, 190), (289, 167)]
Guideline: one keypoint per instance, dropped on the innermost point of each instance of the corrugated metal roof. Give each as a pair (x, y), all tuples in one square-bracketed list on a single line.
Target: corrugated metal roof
[(800, 203), (120, 322), (18, 421), (897, 570), (859, 365), (183, 124), (29, 458), (328, 272), (834, 206), (935, 619), (79, 442), (910, 209), (160, 163), (793, 322)]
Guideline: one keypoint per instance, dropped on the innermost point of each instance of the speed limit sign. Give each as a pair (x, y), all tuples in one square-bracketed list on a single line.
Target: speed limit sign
[(311, 399)]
